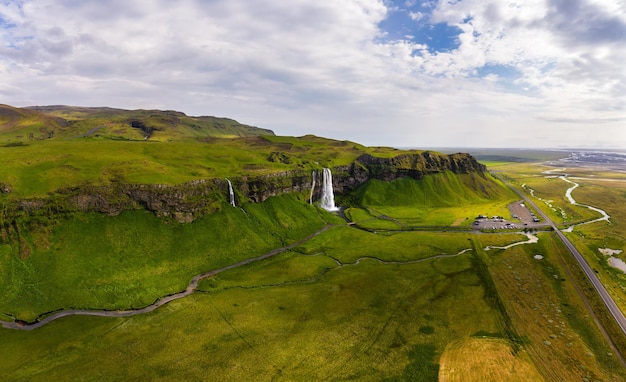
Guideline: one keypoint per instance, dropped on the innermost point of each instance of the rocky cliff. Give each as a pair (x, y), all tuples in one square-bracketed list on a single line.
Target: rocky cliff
[(415, 166), (187, 201)]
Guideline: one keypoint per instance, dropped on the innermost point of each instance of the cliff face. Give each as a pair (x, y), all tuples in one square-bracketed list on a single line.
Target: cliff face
[(414, 166), (187, 201)]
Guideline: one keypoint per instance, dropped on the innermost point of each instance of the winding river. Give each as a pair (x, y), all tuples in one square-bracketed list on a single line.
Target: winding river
[(191, 288), (570, 199), (568, 196), (193, 284), (531, 240)]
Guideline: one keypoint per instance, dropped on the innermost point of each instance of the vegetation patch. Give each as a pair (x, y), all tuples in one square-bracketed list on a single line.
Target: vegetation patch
[(436, 200), (355, 321), (397, 296), (422, 366), (128, 261), (485, 359)]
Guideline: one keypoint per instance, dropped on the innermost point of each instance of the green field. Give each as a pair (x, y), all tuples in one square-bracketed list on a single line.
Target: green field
[(348, 325), (40, 167), (348, 304), (403, 290), (437, 200), (128, 261)]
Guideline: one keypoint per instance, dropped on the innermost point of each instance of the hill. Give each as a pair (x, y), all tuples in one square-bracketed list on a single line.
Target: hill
[(18, 125), (24, 124), (114, 226), (50, 184), (39, 167)]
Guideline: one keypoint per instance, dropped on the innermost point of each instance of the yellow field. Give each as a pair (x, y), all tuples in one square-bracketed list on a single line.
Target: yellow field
[(545, 309), (485, 359)]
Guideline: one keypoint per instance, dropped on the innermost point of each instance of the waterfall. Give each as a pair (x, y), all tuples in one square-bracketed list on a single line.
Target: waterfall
[(231, 193), (328, 197), (312, 188)]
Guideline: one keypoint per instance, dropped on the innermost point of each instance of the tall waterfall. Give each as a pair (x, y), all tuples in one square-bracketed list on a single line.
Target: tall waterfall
[(312, 187), (231, 193), (328, 197)]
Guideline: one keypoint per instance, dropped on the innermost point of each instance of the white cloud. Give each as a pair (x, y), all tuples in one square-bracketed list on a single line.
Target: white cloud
[(325, 67), (416, 16)]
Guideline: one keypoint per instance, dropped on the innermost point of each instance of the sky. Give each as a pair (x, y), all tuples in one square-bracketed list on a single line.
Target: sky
[(403, 73)]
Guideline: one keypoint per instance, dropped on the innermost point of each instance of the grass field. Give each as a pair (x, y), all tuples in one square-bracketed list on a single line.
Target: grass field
[(318, 312), (438, 200), (368, 321), (485, 359), (345, 305), (128, 261), (40, 167)]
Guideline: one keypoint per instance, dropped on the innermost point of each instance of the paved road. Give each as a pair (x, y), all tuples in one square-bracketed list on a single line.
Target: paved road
[(600, 289)]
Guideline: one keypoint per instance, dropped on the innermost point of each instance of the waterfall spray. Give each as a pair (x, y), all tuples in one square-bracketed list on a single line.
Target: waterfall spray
[(231, 193), (312, 188), (328, 196)]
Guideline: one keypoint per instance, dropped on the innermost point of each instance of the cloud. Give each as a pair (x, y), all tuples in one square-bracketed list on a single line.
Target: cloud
[(583, 22), (329, 67), (416, 16)]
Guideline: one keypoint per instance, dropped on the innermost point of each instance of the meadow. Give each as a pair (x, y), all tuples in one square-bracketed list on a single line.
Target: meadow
[(348, 304), (37, 168), (440, 200), (599, 188), (348, 325), (407, 293), (128, 261)]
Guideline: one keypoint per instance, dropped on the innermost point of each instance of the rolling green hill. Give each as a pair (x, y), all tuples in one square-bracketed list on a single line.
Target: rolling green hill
[(96, 218), (17, 125), (439, 200), (70, 122), (440, 190)]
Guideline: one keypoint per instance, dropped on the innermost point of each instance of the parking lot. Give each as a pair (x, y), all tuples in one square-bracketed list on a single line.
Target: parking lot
[(520, 217)]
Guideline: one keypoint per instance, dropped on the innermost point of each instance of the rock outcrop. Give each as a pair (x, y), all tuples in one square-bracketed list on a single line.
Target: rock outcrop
[(4, 188), (187, 201), (414, 166)]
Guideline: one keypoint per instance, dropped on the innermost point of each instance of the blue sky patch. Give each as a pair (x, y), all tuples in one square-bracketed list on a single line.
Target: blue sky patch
[(413, 23), (4, 24), (439, 37), (502, 71), (507, 76)]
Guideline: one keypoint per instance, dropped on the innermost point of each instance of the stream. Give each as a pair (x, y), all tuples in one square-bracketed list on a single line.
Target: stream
[(570, 199), (191, 288), (568, 195), (531, 240), (193, 284)]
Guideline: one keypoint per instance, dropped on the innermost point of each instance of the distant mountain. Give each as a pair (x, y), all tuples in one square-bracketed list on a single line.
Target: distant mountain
[(70, 122), (28, 124)]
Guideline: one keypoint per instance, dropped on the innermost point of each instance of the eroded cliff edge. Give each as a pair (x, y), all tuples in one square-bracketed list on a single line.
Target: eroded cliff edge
[(188, 201)]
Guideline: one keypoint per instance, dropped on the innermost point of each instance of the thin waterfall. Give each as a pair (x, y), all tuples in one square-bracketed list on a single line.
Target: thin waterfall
[(231, 193), (312, 188), (328, 196)]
